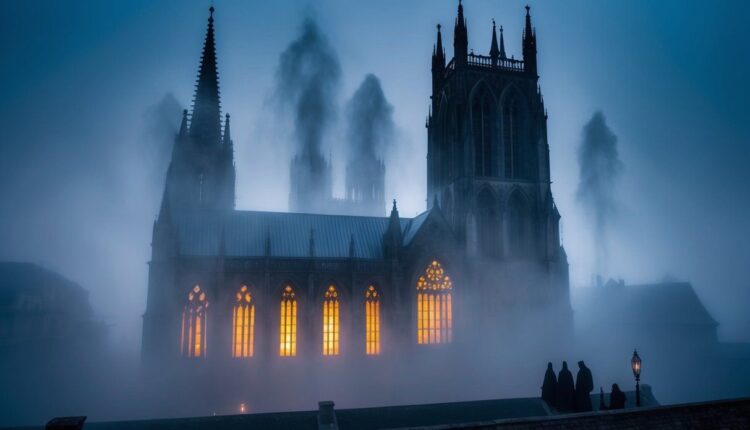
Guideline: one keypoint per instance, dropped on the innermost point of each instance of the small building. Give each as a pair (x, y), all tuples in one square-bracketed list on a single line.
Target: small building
[(40, 310)]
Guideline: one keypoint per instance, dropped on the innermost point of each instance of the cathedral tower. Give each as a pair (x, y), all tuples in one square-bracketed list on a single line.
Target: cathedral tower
[(202, 173), (487, 149)]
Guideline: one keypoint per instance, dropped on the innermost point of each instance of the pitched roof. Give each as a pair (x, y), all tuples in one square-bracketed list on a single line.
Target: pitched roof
[(245, 233), (664, 303)]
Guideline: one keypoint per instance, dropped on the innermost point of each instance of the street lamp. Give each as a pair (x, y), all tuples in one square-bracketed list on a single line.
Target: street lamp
[(635, 364)]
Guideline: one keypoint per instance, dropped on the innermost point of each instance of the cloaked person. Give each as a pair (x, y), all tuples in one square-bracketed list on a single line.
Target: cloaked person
[(584, 387), (616, 398), (549, 386), (564, 397)]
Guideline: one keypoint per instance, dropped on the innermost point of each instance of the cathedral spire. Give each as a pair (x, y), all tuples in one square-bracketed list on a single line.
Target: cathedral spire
[(529, 45), (460, 38), (440, 50), (227, 140), (494, 50), (205, 124)]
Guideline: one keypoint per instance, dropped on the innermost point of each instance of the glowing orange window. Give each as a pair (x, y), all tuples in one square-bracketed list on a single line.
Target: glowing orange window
[(243, 324), (434, 306), (288, 323), (331, 322), (372, 321), (193, 333)]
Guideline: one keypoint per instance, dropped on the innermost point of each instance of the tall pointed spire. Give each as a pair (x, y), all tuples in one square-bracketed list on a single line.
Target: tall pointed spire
[(529, 45), (227, 140), (439, 49), (494, 50), (205, 125), (460, 38)]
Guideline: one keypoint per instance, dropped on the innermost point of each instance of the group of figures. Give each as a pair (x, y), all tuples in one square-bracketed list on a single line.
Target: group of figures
[(560, 393)]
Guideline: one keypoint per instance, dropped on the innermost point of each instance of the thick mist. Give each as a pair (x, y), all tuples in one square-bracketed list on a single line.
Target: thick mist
[(307, 83), (92, 93), (599, 170), (369, 122)]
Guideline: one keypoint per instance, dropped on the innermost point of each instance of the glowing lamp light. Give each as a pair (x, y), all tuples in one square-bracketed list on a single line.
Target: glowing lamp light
[(635, 364), (243, 408)]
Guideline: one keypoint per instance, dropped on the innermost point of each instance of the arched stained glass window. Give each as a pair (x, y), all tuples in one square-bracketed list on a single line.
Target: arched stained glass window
[(243, 324), (434, 306), (372, 321), (331, 322), (288, 323), (193, 335)]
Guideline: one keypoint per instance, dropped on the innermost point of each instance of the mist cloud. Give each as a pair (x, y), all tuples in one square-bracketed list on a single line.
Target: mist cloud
[(600, 167), (370, 126), (307, 82)]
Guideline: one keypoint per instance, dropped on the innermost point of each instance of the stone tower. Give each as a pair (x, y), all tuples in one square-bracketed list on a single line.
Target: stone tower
[(487, 161)]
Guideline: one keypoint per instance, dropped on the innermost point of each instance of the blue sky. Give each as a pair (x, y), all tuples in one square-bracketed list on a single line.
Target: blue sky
[(78, 77)]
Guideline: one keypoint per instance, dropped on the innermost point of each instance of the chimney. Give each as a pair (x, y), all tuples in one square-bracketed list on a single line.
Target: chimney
[(327, 416), (65, 423)]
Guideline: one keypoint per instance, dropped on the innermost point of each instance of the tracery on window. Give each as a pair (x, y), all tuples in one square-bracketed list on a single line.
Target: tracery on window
[(288, 323), (243, 324), (193, 332), (372, 321), (331, 322), (434, 306)]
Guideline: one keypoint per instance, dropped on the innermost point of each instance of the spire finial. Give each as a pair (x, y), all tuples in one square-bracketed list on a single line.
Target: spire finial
[(205, 124), (494, 50), (528, 9)]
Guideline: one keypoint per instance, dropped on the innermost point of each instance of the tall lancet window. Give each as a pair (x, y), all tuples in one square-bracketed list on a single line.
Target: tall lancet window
[(331, 322), (483, 129), (243, 323), (372, 321), (193, 337), (288, 323), (434, 306), (512, 139)]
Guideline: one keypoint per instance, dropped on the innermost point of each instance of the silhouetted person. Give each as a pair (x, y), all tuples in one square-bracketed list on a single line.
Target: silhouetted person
[(584, 386), (549, 386), (616, 398), (564, 397)]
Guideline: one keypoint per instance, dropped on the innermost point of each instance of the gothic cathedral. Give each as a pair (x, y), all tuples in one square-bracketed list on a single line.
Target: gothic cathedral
[(236, 288)]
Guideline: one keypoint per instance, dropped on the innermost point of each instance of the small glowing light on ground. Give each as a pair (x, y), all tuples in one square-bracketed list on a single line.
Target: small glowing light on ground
[(243, 408)]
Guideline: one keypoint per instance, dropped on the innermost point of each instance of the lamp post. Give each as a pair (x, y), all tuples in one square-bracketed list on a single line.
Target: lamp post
[(635, 364)]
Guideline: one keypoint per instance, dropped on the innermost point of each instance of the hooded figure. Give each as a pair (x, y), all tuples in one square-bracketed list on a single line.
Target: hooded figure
[(564, 398), (617, 398), (549, 387), (584, 386)]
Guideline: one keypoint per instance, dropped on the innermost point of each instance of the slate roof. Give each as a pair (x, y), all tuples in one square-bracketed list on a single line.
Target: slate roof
[(245, 232), (666, 303)]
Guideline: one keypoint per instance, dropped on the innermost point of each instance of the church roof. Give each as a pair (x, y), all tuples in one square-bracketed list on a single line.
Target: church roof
[(246, 233), (666, 303)]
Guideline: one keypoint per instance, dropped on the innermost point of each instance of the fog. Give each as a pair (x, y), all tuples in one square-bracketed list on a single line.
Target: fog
[(92, 95), (599, 170), (307, 82)]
